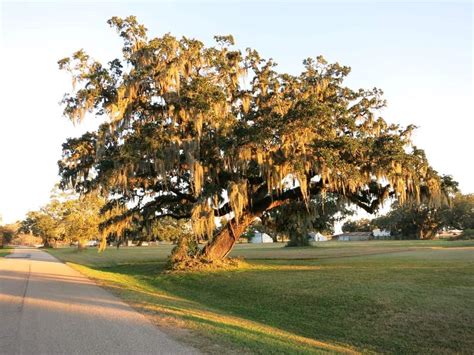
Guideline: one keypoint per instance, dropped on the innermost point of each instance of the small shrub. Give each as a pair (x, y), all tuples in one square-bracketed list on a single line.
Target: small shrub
[(467, 234)]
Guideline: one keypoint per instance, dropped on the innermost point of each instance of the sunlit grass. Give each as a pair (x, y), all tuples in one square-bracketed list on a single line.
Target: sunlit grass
[(407, 298), (135, 255), (228, 328), (113, 256)]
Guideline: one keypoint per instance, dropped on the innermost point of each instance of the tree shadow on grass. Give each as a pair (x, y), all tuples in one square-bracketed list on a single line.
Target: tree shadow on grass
[(163, 304), (304, 307)]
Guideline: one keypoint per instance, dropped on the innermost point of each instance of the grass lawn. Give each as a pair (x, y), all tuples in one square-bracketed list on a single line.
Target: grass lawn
[(387, 296), (4, 252)]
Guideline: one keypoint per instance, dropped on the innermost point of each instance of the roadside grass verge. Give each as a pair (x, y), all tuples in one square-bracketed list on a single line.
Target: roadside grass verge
[(4, 251), (112, 256), (395, 297)]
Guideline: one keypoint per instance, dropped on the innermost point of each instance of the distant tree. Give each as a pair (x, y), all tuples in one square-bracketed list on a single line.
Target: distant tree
[(7, 233), (420, 220), (46, 223), (170, 229), (296, 219), (466, 234), (66, 218), (186, 139), (81, 219), (460, 213), (361, 225)]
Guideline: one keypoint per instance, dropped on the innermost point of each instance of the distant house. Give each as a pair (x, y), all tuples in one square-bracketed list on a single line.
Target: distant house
[(316, 237), (381, 234), (353, 236), (260, 237)]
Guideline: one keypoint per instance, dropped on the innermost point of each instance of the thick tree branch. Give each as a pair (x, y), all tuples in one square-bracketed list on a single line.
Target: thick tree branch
[(371, 199)]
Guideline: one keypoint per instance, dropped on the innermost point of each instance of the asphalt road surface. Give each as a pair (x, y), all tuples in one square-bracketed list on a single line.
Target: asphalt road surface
[(48, 308)]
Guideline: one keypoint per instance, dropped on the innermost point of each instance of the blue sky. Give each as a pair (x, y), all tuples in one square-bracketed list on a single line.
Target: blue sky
[(420, 54)]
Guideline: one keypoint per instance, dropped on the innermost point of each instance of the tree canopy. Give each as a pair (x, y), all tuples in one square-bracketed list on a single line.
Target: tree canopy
[(66, 218), (361, 225), (461, 213), (212, 132), (7, 232)]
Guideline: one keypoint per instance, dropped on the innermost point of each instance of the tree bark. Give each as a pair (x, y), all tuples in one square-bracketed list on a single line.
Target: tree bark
[(298, 240), (223, 242), (427, 233), (46, 243), (81, 245), (428, 230)]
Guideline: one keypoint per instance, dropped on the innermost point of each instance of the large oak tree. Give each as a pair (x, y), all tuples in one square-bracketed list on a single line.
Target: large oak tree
[(203, 132)]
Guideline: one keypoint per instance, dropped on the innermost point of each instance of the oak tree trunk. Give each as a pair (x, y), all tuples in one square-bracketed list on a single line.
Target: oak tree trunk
[(46, 243), (81, 245), (298, 239), (223, 242), (428, 230)]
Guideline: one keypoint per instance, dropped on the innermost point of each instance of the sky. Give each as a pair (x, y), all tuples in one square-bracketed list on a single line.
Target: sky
[(420, 54)]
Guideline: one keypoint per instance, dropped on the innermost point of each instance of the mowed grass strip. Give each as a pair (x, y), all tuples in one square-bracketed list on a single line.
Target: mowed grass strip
[(409, 297), (113, 256), (4, 252), (274, 251)]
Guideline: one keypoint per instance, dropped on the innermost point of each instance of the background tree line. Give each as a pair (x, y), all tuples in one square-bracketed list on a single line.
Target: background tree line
[(67, 218), (411, 221)]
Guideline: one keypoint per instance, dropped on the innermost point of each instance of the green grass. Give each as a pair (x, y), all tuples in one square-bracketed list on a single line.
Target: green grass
[(4, 251), (387, 296), (112, 256)]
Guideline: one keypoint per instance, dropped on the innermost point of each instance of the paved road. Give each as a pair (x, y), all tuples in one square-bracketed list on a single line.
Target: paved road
[(48, 308)]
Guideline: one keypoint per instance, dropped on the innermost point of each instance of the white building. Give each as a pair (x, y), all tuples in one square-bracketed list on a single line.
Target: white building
[(316, 237), (353, 236), (380, 233), (261, 238)]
